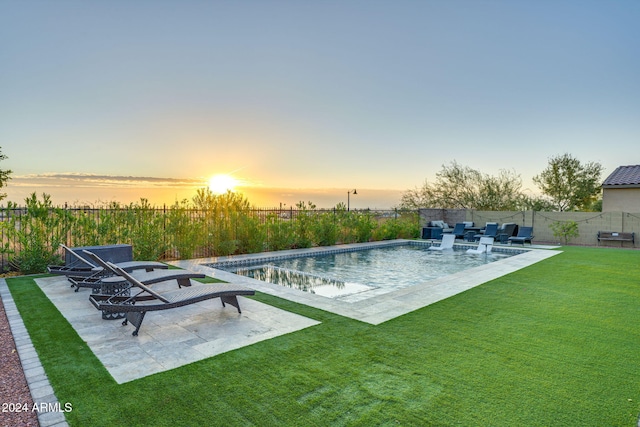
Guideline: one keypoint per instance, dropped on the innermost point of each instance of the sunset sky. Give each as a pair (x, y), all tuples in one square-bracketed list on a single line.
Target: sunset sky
[(307, 100)]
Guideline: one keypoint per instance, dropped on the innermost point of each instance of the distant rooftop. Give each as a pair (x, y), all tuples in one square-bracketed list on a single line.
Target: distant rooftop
[(623, 176)]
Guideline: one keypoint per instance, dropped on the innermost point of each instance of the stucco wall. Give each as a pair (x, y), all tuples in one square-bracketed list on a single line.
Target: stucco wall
[(589, 223), (621, 199)]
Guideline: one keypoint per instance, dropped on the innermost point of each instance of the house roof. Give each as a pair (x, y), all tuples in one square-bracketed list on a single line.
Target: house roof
[(623, 176)]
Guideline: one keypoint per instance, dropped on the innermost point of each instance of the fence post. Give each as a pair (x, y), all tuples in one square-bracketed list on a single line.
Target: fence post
[(533, 218)]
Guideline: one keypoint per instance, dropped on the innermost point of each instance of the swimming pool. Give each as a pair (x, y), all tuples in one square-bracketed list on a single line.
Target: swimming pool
[(384, 307), (354, 275)]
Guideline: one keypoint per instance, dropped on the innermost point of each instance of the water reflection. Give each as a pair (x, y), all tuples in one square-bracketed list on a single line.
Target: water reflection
[(357, 275), (289, 278)]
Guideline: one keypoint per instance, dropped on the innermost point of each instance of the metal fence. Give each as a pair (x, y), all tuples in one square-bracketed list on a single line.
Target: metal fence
[(220, 231)]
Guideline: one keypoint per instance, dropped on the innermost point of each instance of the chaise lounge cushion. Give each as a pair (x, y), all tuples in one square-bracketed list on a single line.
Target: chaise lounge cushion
[(441, 224)]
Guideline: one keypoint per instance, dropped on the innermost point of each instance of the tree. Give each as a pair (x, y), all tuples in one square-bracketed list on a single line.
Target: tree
[(4, 175), (570, 184), (459, 186), (537, 203)]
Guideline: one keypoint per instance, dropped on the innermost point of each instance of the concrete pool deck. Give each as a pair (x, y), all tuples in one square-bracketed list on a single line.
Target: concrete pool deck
[(383, 307), (172, 338)]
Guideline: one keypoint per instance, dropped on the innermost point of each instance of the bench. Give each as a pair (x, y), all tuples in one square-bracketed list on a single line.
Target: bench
[(616, 237)]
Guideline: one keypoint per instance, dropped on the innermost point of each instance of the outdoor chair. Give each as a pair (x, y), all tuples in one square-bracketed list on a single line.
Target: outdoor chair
[(458, 230), (525, 234), (146, 299), (447, 243), (82, 267), (490, 230), (505, 231), (484, 247), (111, 280)]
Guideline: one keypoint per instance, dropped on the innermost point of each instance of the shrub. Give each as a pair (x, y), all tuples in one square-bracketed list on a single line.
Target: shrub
[(39, 232), (184, 236), (302, 225), (210, 225), (325, 229), (279, 233), (565, 230)]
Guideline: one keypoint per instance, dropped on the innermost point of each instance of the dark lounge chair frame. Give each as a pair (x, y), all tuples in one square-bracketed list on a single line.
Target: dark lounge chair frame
[(458, 230), (525, 234), (490, 230), (111, 278), (136, 306), (81, 267)]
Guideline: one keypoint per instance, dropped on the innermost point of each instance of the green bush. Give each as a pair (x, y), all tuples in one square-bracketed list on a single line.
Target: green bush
[(565, 230), (209, 225), (302, 225), (183, 236), (325, 229), (279, 233), (39, 232)]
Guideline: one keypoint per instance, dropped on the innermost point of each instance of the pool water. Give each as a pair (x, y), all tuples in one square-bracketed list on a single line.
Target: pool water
[(357, 275)]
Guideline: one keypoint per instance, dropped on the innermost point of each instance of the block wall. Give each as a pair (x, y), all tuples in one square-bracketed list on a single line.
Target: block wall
[(589, 223)]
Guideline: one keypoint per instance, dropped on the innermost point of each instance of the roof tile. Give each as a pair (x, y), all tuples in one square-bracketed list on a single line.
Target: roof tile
[(624, 175)]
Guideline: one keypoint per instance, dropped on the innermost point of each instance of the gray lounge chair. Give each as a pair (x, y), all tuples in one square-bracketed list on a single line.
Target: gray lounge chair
[(82, 267), (458, 230), (146, 299), (114, 281), (525, 234), (506, 230), (490, 230)]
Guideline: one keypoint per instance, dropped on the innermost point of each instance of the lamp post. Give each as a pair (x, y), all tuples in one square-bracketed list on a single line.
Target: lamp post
[(354, 192)]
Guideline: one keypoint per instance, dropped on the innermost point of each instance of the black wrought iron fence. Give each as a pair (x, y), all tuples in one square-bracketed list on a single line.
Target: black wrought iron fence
[(183, 233)]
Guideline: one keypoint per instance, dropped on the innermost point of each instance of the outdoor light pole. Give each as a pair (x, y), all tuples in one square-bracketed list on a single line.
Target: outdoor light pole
[(354, 192)]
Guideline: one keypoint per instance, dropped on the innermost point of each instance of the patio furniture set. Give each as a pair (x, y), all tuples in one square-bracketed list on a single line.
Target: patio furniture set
[(506, 233), (123, 288)]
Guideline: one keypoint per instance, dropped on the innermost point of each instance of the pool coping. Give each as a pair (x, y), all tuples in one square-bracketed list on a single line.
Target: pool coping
[(380, 308)]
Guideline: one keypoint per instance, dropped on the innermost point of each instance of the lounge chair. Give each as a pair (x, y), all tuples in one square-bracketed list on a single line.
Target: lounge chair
[(146, 299), (490, 230), (484, 247), (506, 230), (447, 243), (82, 267), (112, 280), (525, 234), (458, 230)]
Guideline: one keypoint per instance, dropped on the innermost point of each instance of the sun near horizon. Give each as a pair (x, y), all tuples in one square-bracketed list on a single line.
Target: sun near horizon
[(221, 183)]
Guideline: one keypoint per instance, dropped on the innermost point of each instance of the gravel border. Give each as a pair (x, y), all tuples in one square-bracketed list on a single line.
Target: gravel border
[(24, 385), (13, 384)]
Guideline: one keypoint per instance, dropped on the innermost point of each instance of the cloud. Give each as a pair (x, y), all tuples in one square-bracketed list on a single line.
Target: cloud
[(94, 180), (83, 189)]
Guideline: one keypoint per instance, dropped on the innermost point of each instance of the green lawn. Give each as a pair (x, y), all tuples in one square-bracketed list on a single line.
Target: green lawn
[(554, 344)]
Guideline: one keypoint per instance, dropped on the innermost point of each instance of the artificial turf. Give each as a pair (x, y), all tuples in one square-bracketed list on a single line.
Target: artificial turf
[(554, 344)]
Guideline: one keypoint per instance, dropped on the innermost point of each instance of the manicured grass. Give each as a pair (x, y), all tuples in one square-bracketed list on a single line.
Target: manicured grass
[(554, 344)]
